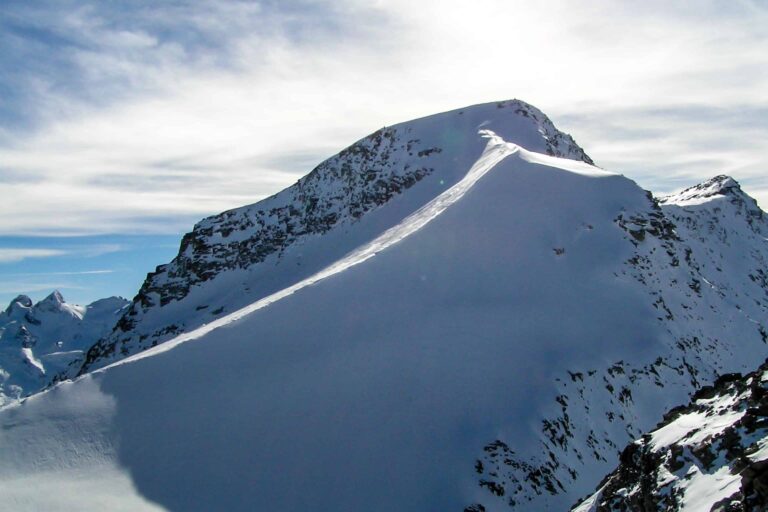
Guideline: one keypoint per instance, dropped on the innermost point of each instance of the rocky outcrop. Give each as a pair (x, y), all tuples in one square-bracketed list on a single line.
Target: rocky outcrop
[(709, 455)]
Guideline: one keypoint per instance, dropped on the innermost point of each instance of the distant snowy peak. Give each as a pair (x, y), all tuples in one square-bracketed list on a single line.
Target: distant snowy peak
[(20, 303), (23, 307), (110, 305), (54, 298), (39, 340), (429, 154), (56, 316), (55, 303), (720, 187)]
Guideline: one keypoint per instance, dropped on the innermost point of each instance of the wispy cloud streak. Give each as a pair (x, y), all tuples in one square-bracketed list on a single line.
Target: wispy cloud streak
[(18, 287), (46, 274), (17, 254), (12, 255)]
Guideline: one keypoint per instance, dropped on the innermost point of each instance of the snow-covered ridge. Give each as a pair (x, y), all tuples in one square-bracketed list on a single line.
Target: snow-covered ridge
[(711, 454), (37, 341), (240, 248), (496, 150)]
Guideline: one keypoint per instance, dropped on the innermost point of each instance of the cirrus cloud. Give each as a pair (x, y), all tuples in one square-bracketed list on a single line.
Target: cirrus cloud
[(13, 255)]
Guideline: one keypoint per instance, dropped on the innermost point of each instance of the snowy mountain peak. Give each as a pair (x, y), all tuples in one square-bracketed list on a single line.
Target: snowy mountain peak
[(55, 299), (20, 303), (724, 183), (714, 188), (720, 207), (508, 122), (113, 304), (55, 303), (348, 199), (22, 300)]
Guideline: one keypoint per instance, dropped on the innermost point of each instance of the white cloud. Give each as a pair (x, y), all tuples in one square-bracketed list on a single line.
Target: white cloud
[(13, 255), (45, 274), (195, 137), (16, 287), (16, 254)]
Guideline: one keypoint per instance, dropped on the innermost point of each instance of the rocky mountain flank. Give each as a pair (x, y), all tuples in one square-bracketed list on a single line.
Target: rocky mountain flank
[(708, 455), (701, 256)]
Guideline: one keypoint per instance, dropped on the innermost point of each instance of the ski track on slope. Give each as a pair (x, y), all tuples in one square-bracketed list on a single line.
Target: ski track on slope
[(495, 151)]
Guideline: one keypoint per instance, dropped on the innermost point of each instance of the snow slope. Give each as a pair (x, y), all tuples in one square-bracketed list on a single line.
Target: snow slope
[(491, 346), (39, 341)]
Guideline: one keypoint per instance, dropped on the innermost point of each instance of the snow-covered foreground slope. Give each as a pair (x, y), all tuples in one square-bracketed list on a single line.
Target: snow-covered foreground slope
[(493, 346), (38, 341), (709, 455)]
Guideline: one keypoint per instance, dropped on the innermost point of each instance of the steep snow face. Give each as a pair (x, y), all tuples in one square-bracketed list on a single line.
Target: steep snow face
[(489, 345), (232, 259), (709, 455), (38, 341)]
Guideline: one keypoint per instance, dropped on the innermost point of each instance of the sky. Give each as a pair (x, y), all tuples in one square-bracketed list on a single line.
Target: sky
[(124, 123)]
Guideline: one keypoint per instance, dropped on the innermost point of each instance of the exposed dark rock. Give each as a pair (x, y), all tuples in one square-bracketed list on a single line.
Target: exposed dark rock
[(654, 474)]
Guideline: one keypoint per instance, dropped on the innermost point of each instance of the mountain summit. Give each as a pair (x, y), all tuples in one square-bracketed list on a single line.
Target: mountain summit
[(719, 186), (456, 313), (262, 248)]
